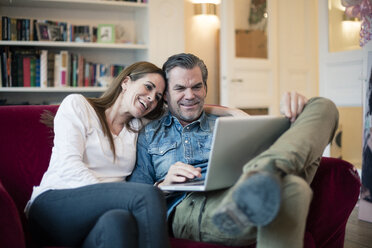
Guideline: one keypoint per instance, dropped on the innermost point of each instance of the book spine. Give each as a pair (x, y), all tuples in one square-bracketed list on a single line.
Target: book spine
[(26, 72), (57, 65), (19, 59), (75, 70), (27, 29), (37, 72), (44, 69), (13, 29), (80, 71), (50, 69), (4, 21), (13, 69), (86, 75), (33, 72), (19, 29), (1, 29), (9, 68), (4, 69), (64, 68)]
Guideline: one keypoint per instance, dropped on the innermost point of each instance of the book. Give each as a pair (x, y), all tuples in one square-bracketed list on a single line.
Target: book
[(26, 71), (80, 71), (13, 29), (1, 29), (14, 69), (74, 70), (5, 27), (4, 68), (37, 72), (44, 68), (19, 29), (19, 59), (26, 30), (50, 68), (33, 71), (64, 69), (57, 65)]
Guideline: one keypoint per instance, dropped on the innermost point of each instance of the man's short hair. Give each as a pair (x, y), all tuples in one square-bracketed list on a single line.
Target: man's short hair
[(185, 61)]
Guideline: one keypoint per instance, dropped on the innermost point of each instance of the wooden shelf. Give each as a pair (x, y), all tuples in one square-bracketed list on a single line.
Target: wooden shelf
[(52, 89), (65, 44), (80, 4)]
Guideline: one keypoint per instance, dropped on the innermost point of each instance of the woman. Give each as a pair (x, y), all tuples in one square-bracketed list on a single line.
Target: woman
[(82, 199)]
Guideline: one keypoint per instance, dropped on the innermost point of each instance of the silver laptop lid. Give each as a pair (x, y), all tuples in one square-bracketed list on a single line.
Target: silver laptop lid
[(236, 140)]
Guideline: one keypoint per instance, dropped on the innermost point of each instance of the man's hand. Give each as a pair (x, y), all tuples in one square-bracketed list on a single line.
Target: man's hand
[(180, 172), (292, 104)]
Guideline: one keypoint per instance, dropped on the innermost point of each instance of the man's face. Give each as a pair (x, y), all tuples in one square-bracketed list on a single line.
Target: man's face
[(185, 94)]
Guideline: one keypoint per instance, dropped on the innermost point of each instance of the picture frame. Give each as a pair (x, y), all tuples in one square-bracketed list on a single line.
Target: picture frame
[(42, 30), (106, 33), (121, 34), (55, 32)]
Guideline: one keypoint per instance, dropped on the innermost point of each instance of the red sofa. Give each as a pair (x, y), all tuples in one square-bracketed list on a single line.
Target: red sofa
[(25, 149)]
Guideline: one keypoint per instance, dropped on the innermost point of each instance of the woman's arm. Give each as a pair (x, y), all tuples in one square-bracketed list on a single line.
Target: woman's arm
[(223, 111), (70, 128)]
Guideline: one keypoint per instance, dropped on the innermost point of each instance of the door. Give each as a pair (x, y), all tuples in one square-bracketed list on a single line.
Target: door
[(340, 57), (290, 61), (248, 55)]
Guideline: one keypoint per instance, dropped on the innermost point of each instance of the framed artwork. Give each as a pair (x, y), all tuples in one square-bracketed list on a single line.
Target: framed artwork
[(55, 33), (42, 30), (106, 33)]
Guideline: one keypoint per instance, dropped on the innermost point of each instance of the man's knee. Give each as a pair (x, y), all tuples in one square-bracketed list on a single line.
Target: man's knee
[(295, 190), (323, 106)]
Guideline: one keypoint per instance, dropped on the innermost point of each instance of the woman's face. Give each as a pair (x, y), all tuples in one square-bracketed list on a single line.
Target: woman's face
[(143, 95)]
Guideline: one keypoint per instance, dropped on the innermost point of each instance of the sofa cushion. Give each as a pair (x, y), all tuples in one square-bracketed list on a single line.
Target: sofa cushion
[(11, 232)]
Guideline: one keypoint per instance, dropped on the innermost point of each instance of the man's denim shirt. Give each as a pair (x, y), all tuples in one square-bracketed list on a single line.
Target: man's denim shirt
[(164, 142)]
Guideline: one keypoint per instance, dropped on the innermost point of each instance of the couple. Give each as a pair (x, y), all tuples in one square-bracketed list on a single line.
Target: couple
[(82, 200)]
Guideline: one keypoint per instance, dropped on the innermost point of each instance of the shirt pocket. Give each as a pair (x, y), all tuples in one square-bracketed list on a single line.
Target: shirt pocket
[(163, 156), (204, 144)]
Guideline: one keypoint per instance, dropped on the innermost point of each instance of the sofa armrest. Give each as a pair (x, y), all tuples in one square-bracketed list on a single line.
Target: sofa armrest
[(11, 232), (336, 188)]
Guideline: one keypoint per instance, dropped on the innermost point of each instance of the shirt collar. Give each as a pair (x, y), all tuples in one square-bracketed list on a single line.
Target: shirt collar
[(202, 121)]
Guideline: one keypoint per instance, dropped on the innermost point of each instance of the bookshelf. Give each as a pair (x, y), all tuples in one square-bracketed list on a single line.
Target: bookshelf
[(134, 16)]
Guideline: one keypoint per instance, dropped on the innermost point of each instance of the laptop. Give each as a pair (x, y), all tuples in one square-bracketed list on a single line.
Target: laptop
[(236, 140)]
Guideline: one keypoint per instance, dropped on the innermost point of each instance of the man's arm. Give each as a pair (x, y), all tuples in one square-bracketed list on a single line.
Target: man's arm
[(223, 111), (144, 171)]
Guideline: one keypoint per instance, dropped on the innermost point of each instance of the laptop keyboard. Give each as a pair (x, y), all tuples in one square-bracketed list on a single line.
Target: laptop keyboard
[(194, 181)]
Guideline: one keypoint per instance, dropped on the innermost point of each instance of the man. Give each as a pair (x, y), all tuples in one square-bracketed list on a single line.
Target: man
[(270, 201)]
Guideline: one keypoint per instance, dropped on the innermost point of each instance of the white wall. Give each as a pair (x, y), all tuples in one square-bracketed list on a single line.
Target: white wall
[(201, 39)]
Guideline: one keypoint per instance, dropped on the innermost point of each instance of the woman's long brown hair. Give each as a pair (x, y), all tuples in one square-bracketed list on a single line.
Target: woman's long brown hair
[(108, 98)]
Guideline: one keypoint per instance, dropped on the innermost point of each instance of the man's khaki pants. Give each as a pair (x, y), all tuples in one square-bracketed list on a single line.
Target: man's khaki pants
[(295, 156)]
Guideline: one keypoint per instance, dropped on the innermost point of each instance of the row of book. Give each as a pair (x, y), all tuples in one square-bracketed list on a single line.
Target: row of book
[(21, 29), (42, 68)]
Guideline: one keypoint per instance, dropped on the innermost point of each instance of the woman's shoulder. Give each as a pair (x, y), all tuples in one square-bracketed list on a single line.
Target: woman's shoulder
[(75, 104), (74, 99)]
